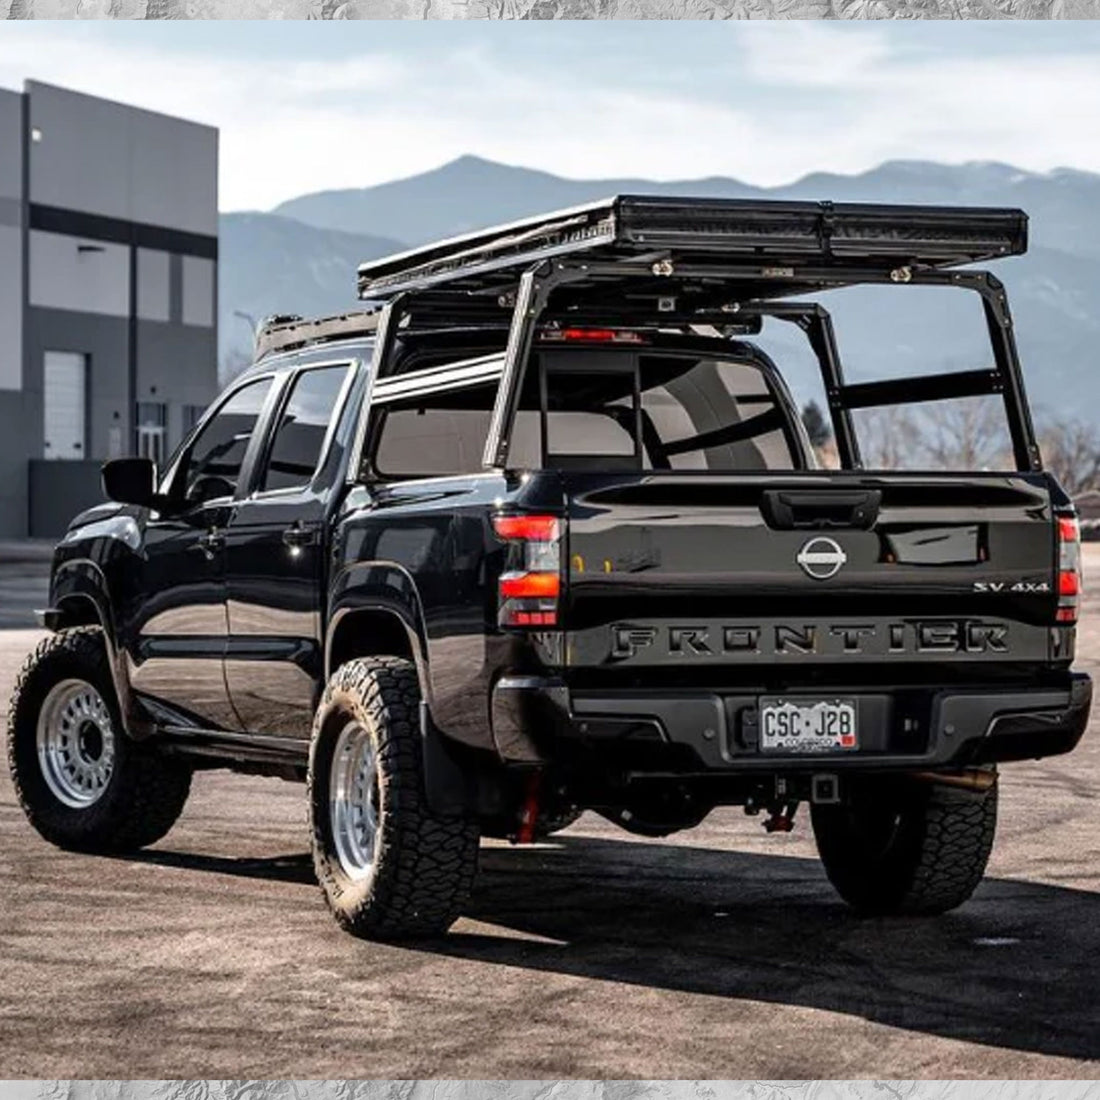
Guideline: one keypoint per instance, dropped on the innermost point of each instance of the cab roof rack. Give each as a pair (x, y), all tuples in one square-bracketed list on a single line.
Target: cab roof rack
[(289, 332)]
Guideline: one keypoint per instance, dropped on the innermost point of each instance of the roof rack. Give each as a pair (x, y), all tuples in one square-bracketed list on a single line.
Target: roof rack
[(768, 242), (288, 332)]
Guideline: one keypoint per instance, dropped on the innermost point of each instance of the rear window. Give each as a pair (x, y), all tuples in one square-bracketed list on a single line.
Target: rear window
[(603, 411), (661, 412)]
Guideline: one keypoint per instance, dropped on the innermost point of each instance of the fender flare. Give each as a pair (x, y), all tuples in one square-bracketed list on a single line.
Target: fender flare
[(366, 588), (80, 583)]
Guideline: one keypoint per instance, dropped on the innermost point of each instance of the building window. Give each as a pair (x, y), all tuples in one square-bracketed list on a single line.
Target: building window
[(152, 422)]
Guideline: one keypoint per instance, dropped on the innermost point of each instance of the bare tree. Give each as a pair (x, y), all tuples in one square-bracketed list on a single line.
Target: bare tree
[(888, 438), (1071, 451), (966, 434), (942, 435)]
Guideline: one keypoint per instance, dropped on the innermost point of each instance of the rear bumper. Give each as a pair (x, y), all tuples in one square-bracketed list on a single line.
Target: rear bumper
[(713, 732)]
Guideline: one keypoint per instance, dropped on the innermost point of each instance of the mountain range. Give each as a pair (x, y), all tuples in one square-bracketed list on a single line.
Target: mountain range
[(301, 258)]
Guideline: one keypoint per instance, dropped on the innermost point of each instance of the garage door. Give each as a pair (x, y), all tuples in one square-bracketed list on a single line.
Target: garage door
[(64, 404)]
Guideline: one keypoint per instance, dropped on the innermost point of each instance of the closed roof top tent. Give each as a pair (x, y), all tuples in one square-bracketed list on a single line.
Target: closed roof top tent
[(721, 237)]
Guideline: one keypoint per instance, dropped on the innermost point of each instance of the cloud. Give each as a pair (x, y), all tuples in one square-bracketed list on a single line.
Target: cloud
[(762, 102)]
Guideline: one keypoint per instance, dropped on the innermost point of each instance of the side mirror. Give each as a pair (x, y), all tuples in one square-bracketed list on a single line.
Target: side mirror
[(130, 481)]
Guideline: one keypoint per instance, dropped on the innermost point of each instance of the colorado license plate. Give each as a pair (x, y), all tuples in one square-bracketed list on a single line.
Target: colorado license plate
[(808, 725)]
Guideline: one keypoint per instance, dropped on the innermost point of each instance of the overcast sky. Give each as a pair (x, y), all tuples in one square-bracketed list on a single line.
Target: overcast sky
[(311, 106)]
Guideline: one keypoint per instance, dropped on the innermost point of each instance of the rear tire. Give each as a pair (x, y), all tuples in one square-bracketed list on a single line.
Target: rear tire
[(81, 781), (389, 867), (908, 848)]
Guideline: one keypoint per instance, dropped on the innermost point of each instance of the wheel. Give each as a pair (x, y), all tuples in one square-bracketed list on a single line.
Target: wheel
[(388, 866), (914, 848), (83, 784)]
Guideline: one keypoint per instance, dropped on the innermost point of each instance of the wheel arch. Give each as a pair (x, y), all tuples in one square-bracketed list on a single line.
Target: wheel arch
[(79, 596), (371, 629)]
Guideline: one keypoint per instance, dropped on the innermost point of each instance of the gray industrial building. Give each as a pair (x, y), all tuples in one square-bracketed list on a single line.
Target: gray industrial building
[(108, 291)]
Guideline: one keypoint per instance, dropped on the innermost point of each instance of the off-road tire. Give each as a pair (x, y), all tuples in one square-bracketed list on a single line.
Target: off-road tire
[(145, 793), (424, 863), (916, 848)]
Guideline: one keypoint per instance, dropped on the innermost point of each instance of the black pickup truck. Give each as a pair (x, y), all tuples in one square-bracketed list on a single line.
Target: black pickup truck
[(540, 530)]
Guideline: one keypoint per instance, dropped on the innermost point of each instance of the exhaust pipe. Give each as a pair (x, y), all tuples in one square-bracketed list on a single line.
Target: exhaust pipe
[(970, 779)]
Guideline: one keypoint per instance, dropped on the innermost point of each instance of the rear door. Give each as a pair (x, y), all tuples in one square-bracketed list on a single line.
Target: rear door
[(275, 556)]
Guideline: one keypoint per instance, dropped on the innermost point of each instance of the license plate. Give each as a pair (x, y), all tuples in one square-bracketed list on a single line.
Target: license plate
[(808, 725)]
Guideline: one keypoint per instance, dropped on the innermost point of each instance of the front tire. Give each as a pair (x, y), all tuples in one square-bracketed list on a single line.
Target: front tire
[(908, 848), (389, 867), (81, 781)]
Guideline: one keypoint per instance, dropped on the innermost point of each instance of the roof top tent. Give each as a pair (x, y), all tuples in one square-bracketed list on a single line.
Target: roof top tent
[(677, 262)]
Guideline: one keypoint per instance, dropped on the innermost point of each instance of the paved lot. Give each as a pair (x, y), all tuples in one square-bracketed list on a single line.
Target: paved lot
[(721, 953)]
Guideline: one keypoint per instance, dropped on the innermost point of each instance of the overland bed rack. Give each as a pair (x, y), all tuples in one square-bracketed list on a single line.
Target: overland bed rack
[(637, 261)]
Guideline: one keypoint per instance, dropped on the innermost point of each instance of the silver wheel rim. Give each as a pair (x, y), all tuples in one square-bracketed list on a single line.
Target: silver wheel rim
[(76, 743), (354, 801)]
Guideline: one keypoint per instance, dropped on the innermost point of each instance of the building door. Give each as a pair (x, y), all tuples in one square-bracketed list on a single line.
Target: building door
[(64, 404)]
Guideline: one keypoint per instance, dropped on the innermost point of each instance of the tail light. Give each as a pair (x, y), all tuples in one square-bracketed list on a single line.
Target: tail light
[(1069, 569), (530, 585)]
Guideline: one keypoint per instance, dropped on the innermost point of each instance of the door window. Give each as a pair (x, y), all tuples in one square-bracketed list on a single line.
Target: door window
[(300, 435), (212, 468)]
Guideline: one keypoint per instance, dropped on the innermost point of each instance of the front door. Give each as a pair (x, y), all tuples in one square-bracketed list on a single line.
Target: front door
[(176, 636), (275, 563)]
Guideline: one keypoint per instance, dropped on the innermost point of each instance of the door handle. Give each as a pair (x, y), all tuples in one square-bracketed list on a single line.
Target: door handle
[(296, 536), (211, 543)]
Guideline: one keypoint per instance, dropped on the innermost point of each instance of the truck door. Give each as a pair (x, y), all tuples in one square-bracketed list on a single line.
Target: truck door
[(177, 633), (275, 558)]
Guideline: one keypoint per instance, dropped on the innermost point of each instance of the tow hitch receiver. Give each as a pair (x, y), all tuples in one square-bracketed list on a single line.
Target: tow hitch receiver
[(824, 790)]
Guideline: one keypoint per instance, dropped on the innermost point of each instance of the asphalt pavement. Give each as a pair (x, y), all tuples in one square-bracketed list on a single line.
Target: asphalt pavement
[(718, 953)]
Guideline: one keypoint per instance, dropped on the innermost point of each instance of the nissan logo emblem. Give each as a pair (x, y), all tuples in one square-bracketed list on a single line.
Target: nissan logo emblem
[(821, 559)]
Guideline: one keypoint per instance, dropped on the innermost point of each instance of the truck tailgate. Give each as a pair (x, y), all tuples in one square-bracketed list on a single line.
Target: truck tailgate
[(675, 570)]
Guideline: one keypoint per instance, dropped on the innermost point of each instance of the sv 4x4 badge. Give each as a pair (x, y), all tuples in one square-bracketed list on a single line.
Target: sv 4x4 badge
[(1017, 586)]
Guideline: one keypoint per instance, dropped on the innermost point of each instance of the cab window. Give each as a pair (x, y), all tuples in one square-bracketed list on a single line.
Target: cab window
[(212, 468), (302, 428)]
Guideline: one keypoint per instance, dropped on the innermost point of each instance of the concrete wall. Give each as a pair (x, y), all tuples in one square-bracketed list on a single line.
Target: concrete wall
[(59, 491), (79, 273), (173, 367), (117, 161), (13, 455), (11, 240)]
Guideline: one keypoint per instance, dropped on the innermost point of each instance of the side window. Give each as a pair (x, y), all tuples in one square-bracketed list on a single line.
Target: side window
[(213, 464), (300, 435)]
